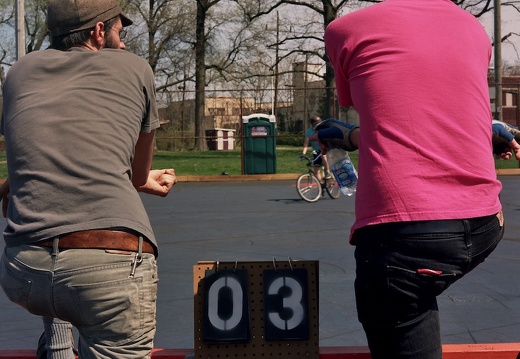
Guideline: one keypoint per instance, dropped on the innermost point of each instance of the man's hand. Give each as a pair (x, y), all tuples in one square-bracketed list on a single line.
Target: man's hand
[(506, 150), (4, 196), (505, 140), (159, 182)]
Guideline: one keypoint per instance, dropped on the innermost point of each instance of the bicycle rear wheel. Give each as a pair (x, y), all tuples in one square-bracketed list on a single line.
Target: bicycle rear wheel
[(332, 188), (309, 187)]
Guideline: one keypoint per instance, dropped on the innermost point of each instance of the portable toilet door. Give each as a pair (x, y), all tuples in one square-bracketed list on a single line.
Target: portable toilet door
[(259, 144)]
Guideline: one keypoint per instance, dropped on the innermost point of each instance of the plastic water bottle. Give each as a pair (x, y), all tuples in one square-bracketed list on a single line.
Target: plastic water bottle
[(343, 170)]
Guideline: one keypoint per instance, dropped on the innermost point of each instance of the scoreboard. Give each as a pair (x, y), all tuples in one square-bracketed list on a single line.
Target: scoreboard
[(251, 309)]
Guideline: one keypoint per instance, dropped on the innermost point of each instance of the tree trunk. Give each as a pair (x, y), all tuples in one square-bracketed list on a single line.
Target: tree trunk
[(200, 74), (329, 14)]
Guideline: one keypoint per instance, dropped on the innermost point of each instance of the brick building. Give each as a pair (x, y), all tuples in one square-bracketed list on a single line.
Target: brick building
[(510, 98)]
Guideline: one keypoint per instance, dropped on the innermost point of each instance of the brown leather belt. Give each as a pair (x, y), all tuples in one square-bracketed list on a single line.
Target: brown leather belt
[(100, 239)]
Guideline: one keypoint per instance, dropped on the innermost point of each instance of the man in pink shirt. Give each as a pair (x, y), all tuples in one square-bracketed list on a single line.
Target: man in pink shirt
[(427, 206)]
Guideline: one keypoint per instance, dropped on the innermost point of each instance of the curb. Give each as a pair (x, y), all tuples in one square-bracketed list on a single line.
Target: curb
[(508, 172), (288, 176), (239, 178), (283, 177)]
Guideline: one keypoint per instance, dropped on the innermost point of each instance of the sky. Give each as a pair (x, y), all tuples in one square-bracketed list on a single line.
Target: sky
[(510, 23)]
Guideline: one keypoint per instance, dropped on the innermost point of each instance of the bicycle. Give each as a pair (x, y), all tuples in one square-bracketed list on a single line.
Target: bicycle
[(310, 188)]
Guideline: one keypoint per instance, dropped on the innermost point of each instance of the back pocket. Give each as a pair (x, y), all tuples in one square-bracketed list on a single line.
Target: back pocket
[(16, 289)]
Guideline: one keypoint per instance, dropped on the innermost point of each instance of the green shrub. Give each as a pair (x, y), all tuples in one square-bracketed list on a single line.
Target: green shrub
[(287, 139)]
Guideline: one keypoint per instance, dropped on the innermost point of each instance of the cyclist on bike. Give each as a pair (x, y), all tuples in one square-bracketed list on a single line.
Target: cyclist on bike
[(319, 161)]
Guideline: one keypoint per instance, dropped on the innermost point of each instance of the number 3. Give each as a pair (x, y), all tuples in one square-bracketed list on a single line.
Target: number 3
[(286, 304), (293, 302)]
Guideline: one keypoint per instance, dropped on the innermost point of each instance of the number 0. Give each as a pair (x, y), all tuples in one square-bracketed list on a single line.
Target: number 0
[(213, 302), (226, 312)]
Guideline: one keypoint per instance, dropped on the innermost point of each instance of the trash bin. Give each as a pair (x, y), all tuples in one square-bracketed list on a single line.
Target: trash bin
[(219, 139), (259, 144)]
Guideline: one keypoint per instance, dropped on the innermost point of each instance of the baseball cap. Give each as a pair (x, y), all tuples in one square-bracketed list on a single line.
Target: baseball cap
[(67, 16)]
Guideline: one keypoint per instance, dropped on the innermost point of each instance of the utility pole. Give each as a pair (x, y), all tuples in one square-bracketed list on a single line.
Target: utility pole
[(277, 59), (498, 59), (20, 29)]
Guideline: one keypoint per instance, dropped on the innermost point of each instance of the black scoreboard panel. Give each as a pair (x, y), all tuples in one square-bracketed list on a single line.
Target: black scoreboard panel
[(256, 309)]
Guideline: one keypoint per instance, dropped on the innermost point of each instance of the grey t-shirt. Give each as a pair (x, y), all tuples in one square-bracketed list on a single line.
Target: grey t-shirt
[(71, 120)]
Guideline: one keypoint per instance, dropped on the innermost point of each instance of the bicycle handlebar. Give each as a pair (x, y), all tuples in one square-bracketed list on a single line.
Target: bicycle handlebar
[(309, 161)]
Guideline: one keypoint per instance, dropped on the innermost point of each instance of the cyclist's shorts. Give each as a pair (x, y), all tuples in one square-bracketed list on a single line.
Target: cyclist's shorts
[(319, 161)]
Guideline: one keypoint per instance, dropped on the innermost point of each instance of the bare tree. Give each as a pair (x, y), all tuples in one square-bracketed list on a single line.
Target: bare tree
[(203, 7), (222, 39), (35, 24), (299, 38), (328, 10), (6, 47), (162, 33)]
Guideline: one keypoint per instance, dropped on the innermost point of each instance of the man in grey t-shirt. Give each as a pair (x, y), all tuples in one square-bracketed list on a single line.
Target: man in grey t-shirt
[(79, 121)]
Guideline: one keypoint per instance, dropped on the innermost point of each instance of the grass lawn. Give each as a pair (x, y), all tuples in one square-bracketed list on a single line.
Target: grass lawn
[(216, 162)]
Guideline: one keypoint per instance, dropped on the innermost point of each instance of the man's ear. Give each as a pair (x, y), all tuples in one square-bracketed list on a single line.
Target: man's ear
[(97, 35)]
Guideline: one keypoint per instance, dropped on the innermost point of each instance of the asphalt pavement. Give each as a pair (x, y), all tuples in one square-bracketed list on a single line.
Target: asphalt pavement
[(266, 220)]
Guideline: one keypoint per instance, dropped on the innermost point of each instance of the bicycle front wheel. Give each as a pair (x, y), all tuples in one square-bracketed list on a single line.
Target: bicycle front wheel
[(332, 188), (309, 187)]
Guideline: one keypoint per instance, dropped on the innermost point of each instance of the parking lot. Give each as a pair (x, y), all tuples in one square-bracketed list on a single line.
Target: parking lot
[(266, 220)]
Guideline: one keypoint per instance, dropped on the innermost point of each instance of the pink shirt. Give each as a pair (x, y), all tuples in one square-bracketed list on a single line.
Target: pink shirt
[(416, 71)]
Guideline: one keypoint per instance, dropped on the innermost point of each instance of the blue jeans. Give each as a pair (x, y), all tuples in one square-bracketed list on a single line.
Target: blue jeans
[(93, 290), (400, 270)]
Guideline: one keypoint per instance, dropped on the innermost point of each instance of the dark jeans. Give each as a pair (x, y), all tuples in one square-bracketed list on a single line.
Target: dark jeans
[(400, 270)]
